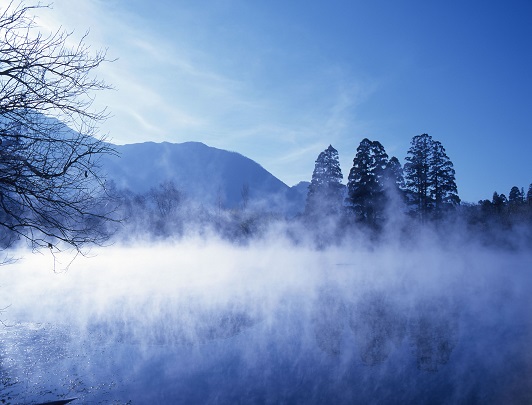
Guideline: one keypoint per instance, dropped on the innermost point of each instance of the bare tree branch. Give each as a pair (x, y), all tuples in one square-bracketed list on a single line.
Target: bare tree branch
[(51, 189)]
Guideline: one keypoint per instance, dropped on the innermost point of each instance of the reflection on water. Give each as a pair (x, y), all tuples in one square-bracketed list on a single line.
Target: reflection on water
[(379, 326), (434, 333), (325, 335), (329, 316), (218, 356), (170, 325)]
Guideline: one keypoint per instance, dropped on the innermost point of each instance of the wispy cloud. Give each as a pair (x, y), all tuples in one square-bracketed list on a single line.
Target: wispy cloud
[(169, 89)]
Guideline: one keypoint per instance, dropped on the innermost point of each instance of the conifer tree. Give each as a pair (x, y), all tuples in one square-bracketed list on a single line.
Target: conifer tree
[(325, 191), (430, 176), (366, 192), (394, 176), (516, 196), (499, 202), (443, 190), (416, 172)]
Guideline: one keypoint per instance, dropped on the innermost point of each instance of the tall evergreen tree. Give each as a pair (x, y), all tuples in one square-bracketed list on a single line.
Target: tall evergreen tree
[(325, 192), (529, 195), (416, 172), (516, 196), (430, 176), (394, 177), (366, 192), (443, 190), (499, 202), (502, 207)]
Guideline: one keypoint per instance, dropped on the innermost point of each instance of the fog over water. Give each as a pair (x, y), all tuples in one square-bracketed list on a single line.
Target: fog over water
[(205, 321)]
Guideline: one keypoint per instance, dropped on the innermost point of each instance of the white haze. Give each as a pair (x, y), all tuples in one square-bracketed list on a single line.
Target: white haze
[(205, 321)]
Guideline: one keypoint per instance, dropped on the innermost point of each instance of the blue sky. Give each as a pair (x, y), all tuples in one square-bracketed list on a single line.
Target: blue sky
[(278, 81)]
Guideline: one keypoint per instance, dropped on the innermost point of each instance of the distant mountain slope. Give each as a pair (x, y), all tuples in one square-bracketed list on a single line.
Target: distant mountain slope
[(203, 173)]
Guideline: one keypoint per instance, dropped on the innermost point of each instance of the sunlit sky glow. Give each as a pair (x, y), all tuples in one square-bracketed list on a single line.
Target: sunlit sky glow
[(279, 81)]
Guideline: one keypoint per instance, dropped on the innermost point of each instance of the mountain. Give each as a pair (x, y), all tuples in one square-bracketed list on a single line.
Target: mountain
[(208, 175), (302, 189), (204, 174)]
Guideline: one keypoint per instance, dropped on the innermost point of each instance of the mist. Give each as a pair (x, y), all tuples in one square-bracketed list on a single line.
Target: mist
[(202, 320)]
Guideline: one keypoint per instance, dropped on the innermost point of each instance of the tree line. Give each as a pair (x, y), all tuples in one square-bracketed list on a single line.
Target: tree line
[(381, 193), (425, 186)]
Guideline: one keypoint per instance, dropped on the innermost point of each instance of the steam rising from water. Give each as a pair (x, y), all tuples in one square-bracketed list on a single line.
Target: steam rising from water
[(208, 322)]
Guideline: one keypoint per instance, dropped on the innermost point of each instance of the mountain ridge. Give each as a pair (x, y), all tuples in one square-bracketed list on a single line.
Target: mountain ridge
[(206, 174)]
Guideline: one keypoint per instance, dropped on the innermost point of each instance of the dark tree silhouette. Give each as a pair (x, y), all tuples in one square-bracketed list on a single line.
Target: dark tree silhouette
[(443, 190), (430, 176), (516, 196), (366, 192), (325, 192), (499, 202), (394, 177), (51, 190), (416, 170)]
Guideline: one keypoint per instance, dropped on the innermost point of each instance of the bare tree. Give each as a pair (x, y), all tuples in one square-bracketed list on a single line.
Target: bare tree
[(51, 189), (167, 198)]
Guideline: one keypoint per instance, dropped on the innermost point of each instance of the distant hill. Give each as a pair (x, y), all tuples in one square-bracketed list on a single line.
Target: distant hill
[(205, 174)]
